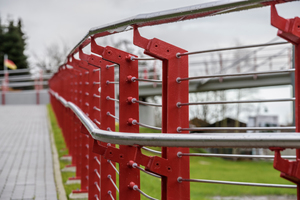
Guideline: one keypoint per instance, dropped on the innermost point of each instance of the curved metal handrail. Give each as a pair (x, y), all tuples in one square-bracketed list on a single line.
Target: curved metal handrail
[(173, 15), (235, 140)]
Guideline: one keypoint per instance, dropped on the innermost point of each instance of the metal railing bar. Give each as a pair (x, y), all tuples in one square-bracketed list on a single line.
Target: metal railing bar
[(113, 65), (27, 77), (95, 120), (108, 113), (111, 196), (111, 82), (178, 55), (113, 166), (97, 186), (135, 165), (232, 155), (239, 74), (151, 150), (168, 16), (109, 98), (234, 140), (15, 71), (133, 100), (98, 109), (97, 173), (145, 80), (236, 128), (135, 187), (112, 181), (134, 122), (136, 58), (96, 83), (237, 183), (21, 84), (97, 160), (239, 101), (97, 96)]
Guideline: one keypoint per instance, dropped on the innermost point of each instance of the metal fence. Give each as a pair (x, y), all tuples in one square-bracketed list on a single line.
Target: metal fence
[(83, 98)]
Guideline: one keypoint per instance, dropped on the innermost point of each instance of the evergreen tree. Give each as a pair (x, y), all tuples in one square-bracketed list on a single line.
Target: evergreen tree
[(12, 43)]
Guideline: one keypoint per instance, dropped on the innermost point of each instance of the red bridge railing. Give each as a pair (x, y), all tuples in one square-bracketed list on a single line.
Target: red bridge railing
[(83, 98)]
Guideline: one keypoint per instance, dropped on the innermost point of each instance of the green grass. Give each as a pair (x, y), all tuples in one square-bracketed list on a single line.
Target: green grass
[(201, 168), (62, 150)]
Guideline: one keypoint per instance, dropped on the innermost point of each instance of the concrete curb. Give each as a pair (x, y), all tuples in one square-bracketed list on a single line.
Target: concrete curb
[(56, 168)]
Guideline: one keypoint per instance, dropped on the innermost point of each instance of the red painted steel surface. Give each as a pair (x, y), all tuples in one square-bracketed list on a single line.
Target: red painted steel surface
[(172, 116), (89, 84), (127, 111), (289, 29)]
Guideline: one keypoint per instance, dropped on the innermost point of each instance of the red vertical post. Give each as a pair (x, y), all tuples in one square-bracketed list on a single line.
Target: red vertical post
[(127, 111), (102, 90), (173, 116), (289, 29)]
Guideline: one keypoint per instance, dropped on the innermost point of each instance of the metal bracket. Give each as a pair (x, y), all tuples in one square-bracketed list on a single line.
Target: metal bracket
[(289, 29), (290, 170)]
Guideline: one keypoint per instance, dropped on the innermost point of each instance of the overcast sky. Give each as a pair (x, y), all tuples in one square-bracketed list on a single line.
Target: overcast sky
[(67, 21), (47, 22)]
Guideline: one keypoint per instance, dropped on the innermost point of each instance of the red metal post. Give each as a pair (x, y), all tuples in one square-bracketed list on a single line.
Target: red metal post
[(127, 111), (289, 29), (83, 84), (172, 116), (101, 91)]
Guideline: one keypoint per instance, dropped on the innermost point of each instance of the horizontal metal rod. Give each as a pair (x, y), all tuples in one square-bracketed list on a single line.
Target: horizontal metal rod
[(112, 181), (234, 140), (95, 120), (113, 166), (238, 183), (146, 80), (111, 82), (134, 122), (174, 15), (97, 186), (151, 150), (23, 84), (136, 58), (230, 48), (233, 155), (97, 174), (15, 71), (135, 187), (97, 160), (239, 74), (27, 77), (113, 65), (135, 165), (108, 113), (239, 101), (145, 103), (111, 196), (108, 98), (236, 128), (98, 109)]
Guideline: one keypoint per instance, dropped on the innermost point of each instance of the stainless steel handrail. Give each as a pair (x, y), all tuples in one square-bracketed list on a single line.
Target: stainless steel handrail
[(173, 15), (235, 140)]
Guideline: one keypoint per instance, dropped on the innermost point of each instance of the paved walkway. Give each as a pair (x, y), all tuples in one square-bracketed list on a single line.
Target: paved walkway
[(26, 169)]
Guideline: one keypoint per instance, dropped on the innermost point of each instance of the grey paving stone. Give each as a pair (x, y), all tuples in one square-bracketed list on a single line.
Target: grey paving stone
[(26, 170)]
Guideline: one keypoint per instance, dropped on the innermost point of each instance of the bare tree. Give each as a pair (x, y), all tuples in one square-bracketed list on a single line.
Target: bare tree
[(53, 56)]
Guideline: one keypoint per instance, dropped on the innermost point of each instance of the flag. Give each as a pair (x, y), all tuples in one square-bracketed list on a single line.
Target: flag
[(10, 64)]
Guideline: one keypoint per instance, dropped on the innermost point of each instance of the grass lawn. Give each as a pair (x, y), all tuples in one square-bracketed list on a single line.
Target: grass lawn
[(62, 150), (200, 168)]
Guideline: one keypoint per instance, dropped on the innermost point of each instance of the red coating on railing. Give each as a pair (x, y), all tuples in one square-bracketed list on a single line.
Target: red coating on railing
[(87, 83)]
